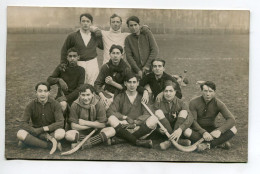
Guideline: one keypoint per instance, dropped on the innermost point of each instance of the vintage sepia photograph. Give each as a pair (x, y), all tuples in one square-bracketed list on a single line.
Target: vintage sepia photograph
[(127, 84)]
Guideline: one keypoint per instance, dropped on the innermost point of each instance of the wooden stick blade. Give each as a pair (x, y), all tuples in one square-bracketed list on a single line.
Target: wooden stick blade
[(54, 143), (76, 148)]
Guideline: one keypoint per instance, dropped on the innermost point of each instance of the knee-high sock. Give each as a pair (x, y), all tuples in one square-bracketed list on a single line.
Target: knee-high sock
[(167, 125), (143, 130), (195, 136), (124, 134), (95, 140), (36, 142), (222, 139), (178, 122)]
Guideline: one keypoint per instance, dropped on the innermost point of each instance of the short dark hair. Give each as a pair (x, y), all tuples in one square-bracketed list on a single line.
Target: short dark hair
[(43, 83), (87, 15), (72, 49), (210, 84), (159, 60), (114, 16), (132, 18), (170, 83), (131, 75), (116, 47), (84, 87)]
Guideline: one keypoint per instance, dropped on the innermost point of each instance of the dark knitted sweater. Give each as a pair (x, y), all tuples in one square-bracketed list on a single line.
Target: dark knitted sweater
[(73, 76), (86, 52)]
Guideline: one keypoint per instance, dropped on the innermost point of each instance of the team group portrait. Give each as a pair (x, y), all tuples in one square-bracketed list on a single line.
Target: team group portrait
[(127, 84)]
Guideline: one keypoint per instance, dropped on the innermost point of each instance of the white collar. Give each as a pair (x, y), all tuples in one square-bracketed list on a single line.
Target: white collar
[(113, 31)]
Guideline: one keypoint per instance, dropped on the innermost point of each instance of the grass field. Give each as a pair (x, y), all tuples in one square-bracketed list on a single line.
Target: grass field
[(221, 58)]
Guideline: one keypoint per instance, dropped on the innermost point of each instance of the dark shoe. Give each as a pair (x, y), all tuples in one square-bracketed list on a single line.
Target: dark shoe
[(115, 140), (225, 145), (203, 146), (184, 142), (144, 143)]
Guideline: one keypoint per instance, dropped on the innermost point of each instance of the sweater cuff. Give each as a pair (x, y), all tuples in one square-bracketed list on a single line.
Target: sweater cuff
[(183, 127)]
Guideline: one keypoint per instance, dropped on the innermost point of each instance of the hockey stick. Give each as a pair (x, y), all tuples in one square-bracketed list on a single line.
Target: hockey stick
[(53, 141), (76, 148), (178, 146)]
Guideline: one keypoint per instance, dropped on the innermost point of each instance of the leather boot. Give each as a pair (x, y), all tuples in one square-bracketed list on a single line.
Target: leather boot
[(144, 143)]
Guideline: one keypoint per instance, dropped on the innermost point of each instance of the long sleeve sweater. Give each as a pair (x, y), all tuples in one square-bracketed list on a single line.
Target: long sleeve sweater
[(141, 50), (73, 76), (86, 52), (122, 106), (205, 114), (171, 113), (49, 114)]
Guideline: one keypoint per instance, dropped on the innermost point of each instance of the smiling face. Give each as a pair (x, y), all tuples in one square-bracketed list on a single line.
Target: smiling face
[(131, 84), (208, 93), (85, 23), (72, 58), (115, 23), (115, 56), (86, 97), (42, 93), (169, 93), (134, 27)]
